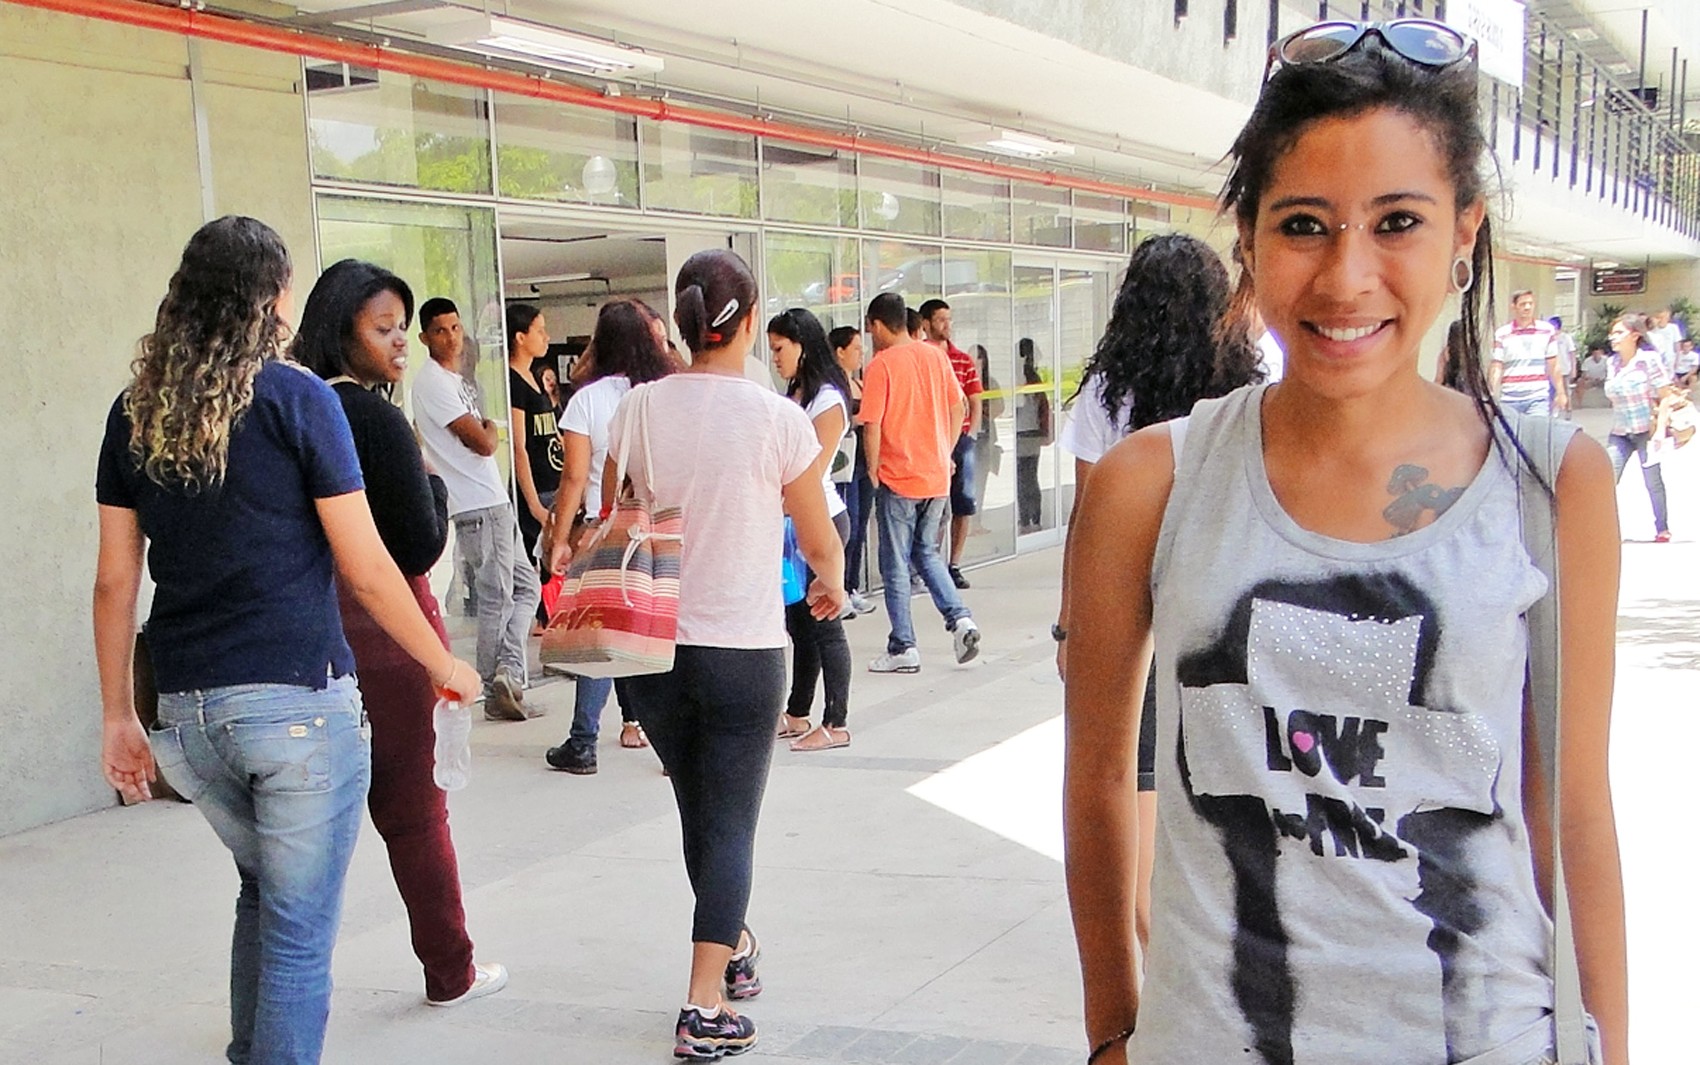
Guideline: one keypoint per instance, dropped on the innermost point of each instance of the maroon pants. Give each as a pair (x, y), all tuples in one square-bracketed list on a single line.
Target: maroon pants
[(408, 809)]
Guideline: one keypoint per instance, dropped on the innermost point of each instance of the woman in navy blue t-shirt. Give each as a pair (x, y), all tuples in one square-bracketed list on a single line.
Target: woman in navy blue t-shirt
[(235, 471)]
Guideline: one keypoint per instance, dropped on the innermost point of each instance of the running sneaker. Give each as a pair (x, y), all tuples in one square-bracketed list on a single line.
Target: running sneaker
[(967, 640), (742, 980), (860, 603), (905, 661), (573, 757), (704, 1038), (957, 578), (1662, 538), (504, 700)]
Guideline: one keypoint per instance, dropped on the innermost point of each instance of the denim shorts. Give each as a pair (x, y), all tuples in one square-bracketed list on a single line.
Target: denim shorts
[(962, 483)]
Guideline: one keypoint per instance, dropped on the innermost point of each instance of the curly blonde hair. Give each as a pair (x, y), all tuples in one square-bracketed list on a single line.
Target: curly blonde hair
[(194, 374)]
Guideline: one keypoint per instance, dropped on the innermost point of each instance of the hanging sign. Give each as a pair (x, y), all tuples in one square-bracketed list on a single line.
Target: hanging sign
[(1497, 26), (1620, 281)]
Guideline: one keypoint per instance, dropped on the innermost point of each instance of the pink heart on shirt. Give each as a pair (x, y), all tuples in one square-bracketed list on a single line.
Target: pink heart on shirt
[(1303, 741)]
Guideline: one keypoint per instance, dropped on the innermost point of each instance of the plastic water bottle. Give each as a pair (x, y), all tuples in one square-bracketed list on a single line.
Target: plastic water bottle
[(453, 724)]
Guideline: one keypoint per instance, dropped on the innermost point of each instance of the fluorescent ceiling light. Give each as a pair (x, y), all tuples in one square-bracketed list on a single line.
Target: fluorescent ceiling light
[(1607, 264), (1016, 143), (553, 279), (513, 39)]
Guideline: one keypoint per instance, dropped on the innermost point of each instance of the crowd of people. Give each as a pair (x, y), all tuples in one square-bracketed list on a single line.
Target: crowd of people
[(1291, 625), (290, 515)]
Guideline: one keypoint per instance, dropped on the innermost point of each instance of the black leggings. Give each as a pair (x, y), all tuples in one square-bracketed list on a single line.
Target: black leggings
[(819, 648), (711, 721)]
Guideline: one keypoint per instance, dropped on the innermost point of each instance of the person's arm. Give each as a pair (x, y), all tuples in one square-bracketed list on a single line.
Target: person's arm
[(871, 448), (1496, 370), (523, 483), (480, 435), (875, 380), (817, 537), (1082, 470), (1115, 534), (575, 478), (1589, 561), (1560, 394), (366, 570), (125, 759)]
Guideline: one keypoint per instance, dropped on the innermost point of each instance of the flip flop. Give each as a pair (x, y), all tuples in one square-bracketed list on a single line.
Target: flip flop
[(823, 738), (788, 731), (631, 735)]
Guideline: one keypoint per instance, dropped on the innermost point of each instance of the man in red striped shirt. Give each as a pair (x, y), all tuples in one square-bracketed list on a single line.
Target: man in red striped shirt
[(935, 316), (1524, 374)]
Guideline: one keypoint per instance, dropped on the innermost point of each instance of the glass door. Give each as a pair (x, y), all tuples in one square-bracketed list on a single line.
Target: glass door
[(1035, 402)]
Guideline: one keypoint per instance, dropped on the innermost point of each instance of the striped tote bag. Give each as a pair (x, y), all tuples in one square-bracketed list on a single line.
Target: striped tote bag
[(618, 614)]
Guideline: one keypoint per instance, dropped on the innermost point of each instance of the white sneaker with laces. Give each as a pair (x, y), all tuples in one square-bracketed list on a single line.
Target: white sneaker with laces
[(966, 636), (906, 661), (860, 604), (487, 980)]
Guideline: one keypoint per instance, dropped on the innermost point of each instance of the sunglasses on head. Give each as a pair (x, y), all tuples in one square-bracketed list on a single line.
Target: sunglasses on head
[(1430, 44)]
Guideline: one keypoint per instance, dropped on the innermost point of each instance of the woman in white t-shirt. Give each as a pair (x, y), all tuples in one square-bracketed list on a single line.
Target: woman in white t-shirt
[(624, 351), (1170, 342), (804, 360), (735, 458)]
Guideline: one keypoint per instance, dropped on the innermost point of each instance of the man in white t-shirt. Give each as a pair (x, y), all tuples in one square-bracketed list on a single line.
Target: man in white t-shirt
[(1524, 371), (460, 444), (1666, 332)]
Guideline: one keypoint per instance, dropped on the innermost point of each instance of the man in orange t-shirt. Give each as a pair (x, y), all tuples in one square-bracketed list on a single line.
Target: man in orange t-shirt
[(911, 415)]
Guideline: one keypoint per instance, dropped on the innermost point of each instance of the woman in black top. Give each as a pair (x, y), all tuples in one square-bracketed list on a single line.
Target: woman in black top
[(354, 334), (536, 437)]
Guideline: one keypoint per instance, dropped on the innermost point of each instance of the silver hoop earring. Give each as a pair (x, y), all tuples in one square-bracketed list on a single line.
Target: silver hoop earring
[(1463, 282)]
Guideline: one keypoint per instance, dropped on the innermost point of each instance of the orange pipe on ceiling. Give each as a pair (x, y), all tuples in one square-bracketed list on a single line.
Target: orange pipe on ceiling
[(191, 23)]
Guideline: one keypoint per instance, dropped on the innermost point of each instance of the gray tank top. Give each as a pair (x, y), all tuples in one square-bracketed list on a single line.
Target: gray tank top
[(1343, 869)]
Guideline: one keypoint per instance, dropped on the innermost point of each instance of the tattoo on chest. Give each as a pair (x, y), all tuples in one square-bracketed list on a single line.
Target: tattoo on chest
[(1414, 497)]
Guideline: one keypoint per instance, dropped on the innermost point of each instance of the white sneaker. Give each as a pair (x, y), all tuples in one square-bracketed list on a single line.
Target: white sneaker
[(487, 980), (860, 604), (967, 640), (907, 661)]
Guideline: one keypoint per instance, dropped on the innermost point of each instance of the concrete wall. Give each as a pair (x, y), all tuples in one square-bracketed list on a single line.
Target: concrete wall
[(103, 188), (1144, 34)]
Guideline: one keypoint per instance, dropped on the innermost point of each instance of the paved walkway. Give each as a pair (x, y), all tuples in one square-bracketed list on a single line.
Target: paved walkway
[(908, 892)]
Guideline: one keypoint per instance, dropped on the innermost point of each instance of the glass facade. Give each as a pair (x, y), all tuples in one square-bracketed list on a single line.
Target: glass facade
[(394, 130), (564, 154), (699, 171), (1028, 269)]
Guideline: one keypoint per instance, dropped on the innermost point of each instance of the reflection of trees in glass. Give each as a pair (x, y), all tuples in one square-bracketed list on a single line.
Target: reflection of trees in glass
[(541, 174), (436, 161)]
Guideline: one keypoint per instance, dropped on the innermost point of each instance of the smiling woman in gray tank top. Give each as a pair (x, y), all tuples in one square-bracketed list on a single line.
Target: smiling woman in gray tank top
[(1332, 573)]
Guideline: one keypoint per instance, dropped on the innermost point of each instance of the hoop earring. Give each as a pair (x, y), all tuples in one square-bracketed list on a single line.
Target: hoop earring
[(1462, 283)]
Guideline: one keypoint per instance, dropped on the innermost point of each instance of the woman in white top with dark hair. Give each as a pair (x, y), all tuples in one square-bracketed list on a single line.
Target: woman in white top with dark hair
[(804, 360), (624, 351), (735, 458)]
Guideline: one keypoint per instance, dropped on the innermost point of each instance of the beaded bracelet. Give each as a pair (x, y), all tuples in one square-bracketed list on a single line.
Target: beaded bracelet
[(1098, 1051)]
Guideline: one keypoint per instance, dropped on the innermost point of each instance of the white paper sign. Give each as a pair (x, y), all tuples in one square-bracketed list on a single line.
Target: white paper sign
[(1497, 26)]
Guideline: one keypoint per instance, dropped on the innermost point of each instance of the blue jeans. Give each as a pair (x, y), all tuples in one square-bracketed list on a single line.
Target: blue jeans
[(280, 772), (909, 535), (590, 698), (1539, 405)]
